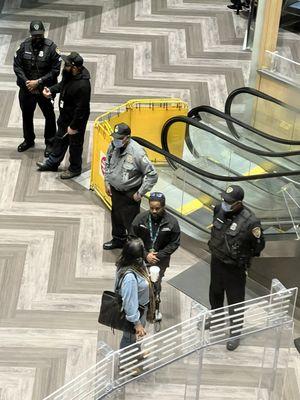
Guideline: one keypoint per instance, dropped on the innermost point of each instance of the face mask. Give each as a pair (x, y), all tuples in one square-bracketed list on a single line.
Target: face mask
[(226, 207), (118, 143), (37, 42)]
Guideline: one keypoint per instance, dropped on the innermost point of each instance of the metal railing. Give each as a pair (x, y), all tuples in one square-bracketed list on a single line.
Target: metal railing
[(118, 368)]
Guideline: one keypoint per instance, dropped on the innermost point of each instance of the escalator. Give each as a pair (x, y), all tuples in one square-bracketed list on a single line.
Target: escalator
[(285, 152), (212, 158), (195, 180)]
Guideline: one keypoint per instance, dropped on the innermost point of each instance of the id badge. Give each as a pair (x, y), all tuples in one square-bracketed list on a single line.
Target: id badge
[(61, 104)]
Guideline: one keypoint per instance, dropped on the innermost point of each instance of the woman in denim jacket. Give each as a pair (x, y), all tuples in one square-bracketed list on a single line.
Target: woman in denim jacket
[(134, 289)]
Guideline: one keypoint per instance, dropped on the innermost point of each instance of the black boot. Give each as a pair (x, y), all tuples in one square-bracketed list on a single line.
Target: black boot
[(46, 167), (25, 146), (114, 244)]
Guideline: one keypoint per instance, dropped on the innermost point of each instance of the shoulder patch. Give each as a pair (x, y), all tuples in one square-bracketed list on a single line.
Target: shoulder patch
[(256, 232), (58, 51), (129, 158), (146, 159)]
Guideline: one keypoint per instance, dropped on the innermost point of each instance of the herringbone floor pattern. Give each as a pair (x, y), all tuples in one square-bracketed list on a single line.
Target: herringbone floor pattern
[(52, 268)]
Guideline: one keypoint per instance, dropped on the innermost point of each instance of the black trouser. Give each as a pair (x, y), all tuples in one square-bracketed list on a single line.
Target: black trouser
[(229, 279), (60, 146), (28, 104), (163, 265), (124, 210)]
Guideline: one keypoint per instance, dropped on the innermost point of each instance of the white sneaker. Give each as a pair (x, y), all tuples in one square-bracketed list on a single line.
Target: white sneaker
[(158, 315)]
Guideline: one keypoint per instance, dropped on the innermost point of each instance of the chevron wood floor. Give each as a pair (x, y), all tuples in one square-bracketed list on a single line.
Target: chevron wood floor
[(52, 268)]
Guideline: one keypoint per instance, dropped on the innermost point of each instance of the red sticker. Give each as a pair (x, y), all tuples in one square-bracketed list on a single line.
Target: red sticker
[(103, 160)]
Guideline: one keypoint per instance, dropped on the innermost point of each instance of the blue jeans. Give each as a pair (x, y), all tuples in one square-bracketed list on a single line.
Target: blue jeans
[(130, 338)]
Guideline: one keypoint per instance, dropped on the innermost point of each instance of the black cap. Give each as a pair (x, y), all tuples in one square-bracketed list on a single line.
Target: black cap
[(73, 58), (36, 28), (233, 193), (158, 196), (121, 130)]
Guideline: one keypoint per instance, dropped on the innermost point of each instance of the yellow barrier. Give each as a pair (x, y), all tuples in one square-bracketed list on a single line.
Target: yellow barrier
[(146, 118)]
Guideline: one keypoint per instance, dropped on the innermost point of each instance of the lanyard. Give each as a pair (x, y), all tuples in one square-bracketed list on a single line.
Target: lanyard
[(153, 237)]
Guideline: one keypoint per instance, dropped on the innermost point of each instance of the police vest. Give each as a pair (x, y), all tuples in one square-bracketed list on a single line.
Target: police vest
[(230, 238), (36, 63)]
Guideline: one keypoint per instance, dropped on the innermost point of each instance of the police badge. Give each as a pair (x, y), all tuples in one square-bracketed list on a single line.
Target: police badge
[(256, 232)]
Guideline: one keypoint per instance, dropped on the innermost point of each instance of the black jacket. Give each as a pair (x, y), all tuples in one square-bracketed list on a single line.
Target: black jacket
[(168, 239), (236, 238), (74, 100), (31, 64)]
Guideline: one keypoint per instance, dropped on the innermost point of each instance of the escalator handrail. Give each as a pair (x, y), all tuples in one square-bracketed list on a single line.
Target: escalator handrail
[(229, 118), (199, 171), (256, 93), (198, 124)]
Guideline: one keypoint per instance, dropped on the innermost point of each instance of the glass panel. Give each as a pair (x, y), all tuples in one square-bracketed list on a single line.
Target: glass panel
[(189, 361), (282, 66), (215, 155), (266, 116), (291, 193), (247, 137)]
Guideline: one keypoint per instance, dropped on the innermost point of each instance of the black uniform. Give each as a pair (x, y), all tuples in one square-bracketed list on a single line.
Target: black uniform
[(74, 108), (31, 63), (165, 231), (235, 239)]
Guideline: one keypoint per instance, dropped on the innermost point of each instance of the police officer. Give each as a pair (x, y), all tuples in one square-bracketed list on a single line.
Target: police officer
[(36, 64), (236, 238), (74, 111), (129, 175), (159, 231)]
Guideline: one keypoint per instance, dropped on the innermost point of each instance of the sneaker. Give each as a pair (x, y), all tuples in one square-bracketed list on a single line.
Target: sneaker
[(69, 174), (25, 146), (233, 344), (45, 167), (158, 315), (113, 244)]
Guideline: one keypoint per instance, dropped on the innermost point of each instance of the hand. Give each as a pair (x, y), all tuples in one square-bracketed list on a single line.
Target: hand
[(151, 258), (31, 85), (72, 131), (47, 93), (139, 330), (108, 189), (137, 197)]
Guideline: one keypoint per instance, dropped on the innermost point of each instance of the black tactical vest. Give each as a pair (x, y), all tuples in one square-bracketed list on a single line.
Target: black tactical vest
[(230, 237), (36, 63)]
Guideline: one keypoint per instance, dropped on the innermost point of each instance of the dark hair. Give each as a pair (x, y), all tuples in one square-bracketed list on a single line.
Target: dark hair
[(132, 253), (158, 196)]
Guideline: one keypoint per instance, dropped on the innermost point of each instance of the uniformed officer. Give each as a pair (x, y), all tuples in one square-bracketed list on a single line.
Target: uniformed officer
[(36, 64), (160, 233), (129, 175), (236, 238)]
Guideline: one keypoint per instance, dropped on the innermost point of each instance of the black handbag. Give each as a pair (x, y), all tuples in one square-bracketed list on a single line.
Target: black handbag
[(112, 313)]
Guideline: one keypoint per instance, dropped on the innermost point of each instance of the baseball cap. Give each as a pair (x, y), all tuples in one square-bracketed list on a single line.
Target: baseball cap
[(36, 28), (121, 130), (233, 193), (73, 58), (157, 196)]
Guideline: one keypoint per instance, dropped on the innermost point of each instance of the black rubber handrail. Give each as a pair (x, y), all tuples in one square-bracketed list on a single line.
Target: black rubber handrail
[(256, 93), (228, 118), (198, 124), (199, 171)]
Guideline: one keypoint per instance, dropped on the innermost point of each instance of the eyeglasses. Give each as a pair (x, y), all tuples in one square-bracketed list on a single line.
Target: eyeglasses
[(156, 194)]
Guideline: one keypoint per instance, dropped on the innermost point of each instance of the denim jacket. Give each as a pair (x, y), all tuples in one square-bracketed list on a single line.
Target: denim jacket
[(135, 292)]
